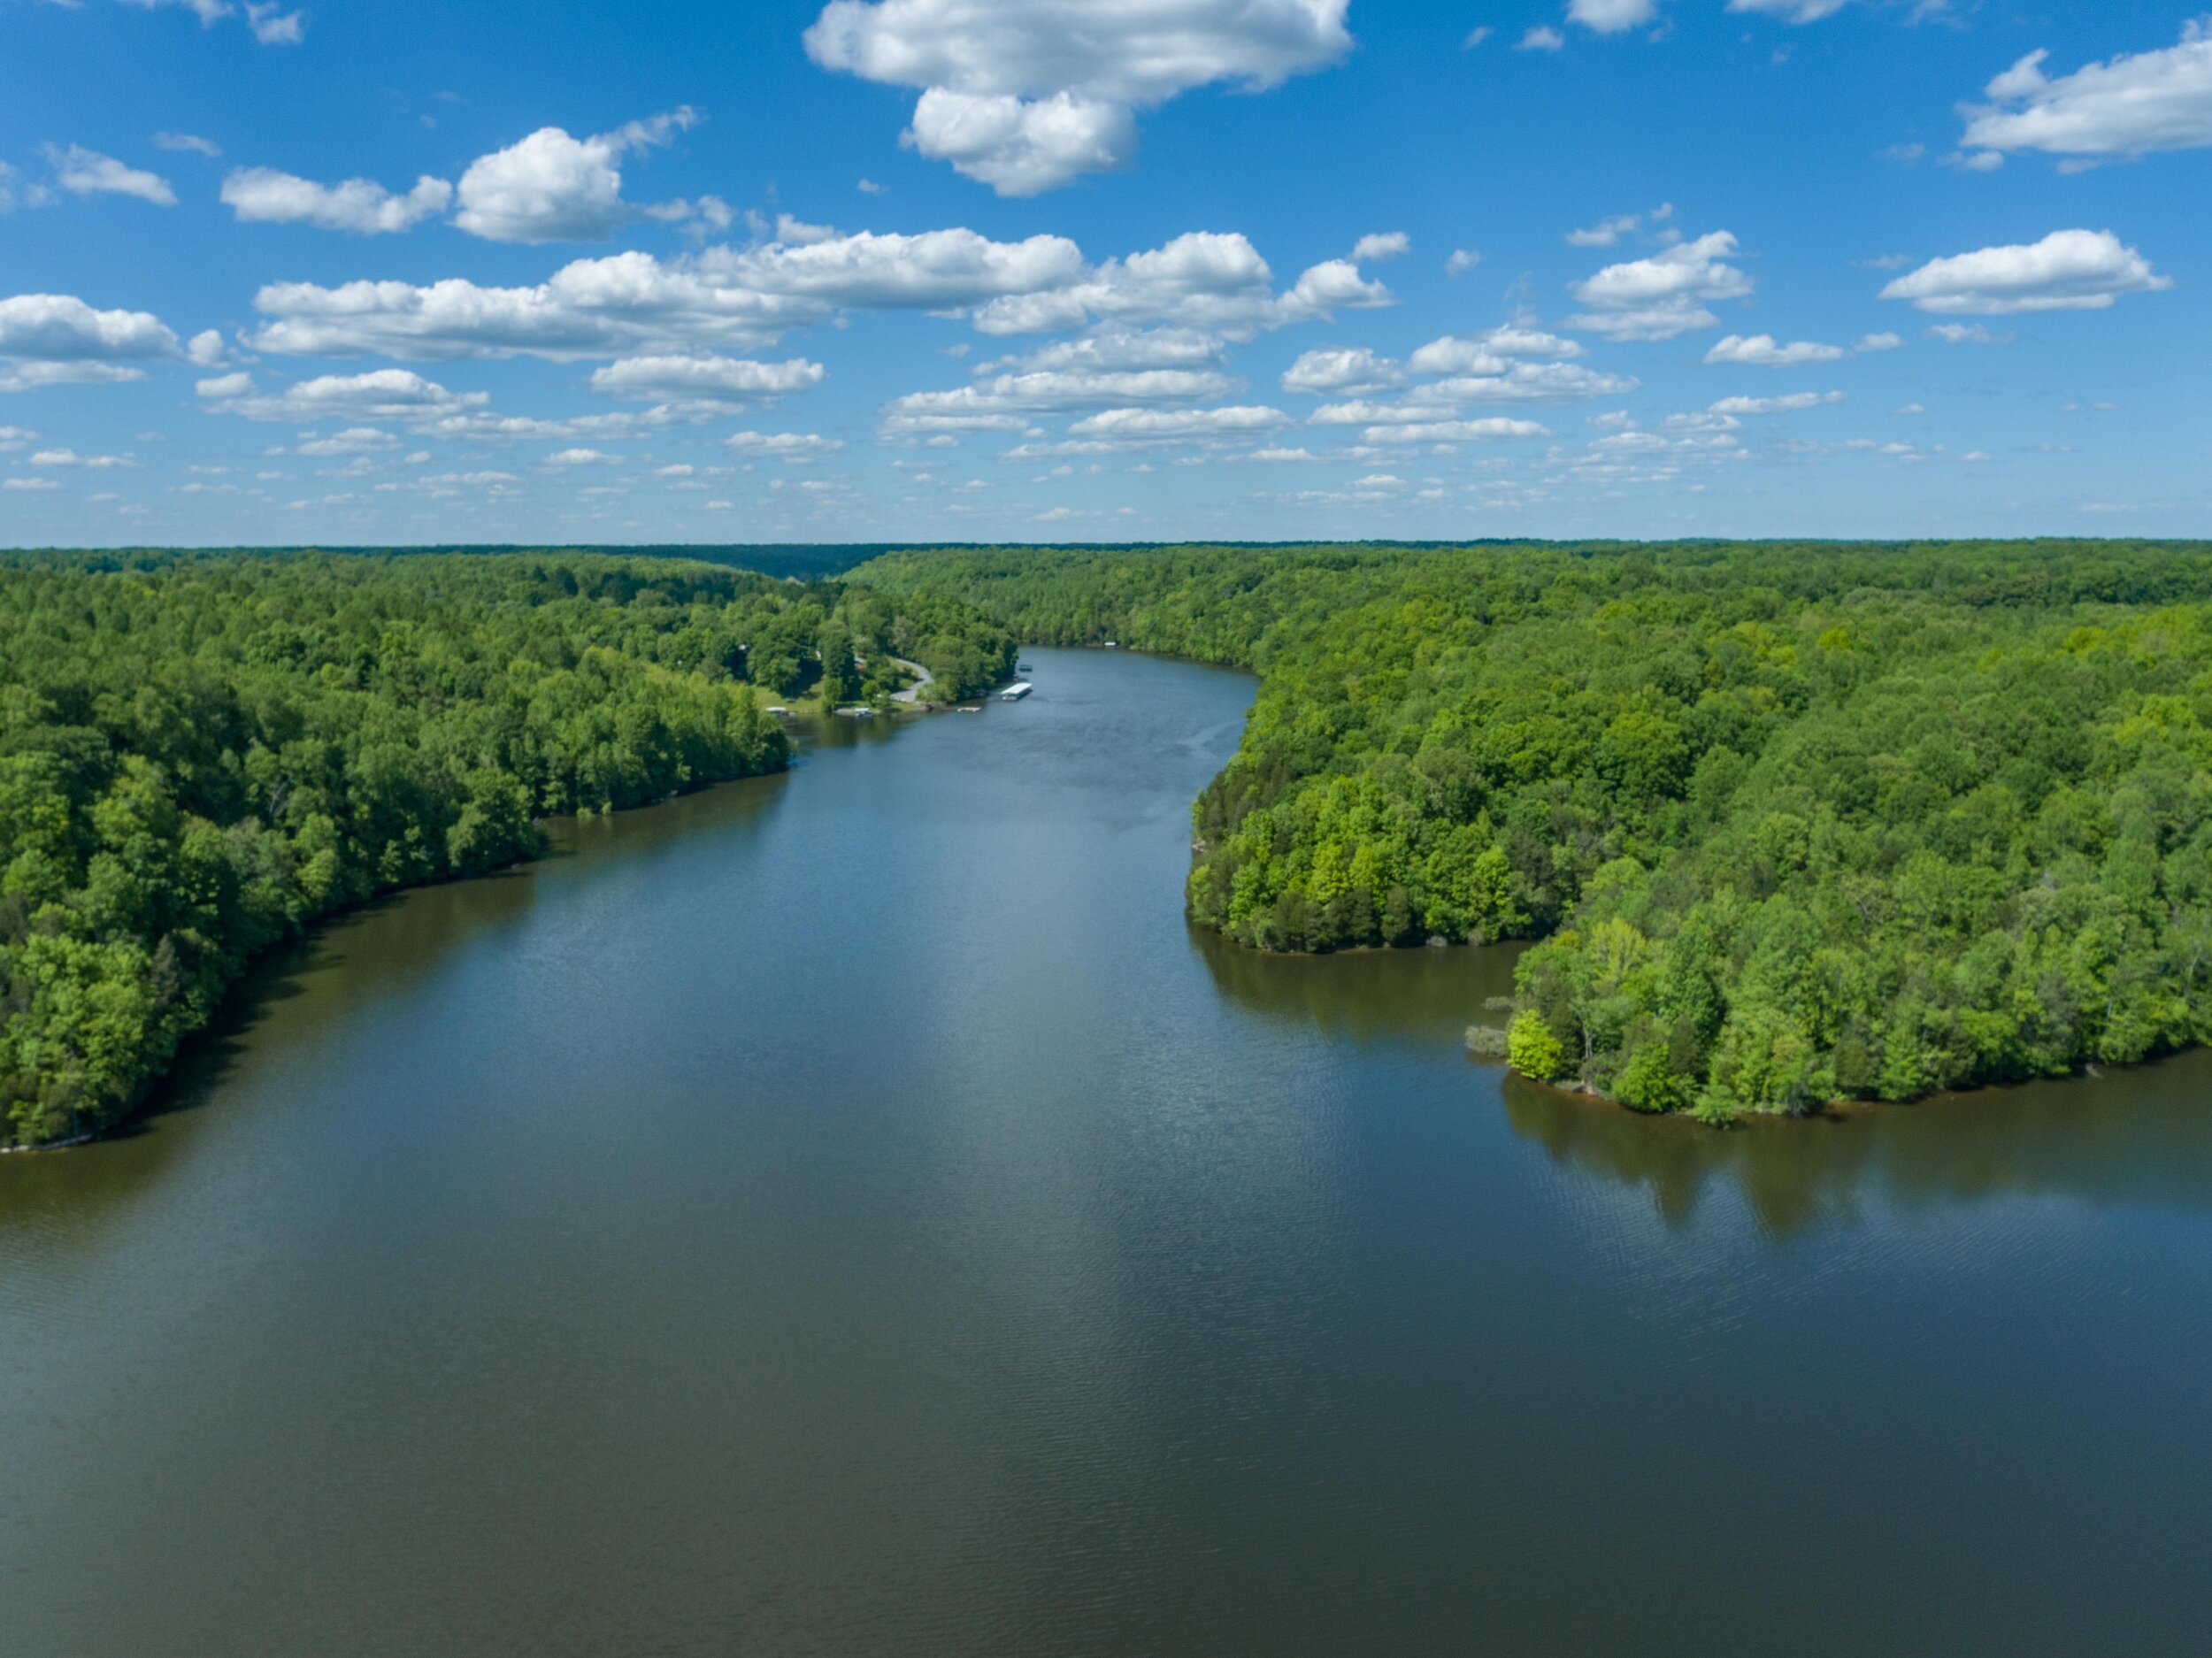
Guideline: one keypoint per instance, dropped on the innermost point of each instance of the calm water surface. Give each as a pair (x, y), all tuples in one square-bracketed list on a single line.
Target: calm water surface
[(852, 1213)]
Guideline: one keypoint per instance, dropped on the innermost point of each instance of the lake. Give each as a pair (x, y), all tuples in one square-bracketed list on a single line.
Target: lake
[(852, 1212)]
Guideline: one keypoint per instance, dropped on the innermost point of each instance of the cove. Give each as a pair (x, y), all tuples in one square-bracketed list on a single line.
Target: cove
[(852, 1212)]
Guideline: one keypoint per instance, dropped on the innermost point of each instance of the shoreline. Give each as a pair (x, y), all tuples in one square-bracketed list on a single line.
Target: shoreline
[(1825, 1111), (797, 743), (137, 1111), (1837, 1109)]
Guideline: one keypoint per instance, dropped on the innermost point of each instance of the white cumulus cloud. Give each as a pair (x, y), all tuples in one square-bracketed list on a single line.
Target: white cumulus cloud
[(551, 187), (264, 195), (1342, 371), (1606, 231), (57, 339), (1117, 348), (385, 394), (704, 379), (270, 23), (1140, 426), (636, 304), (1665, 296), (1526, 382), (2068, 270), (1611, 16), (1004, 401), (1795, 404), (1797, 11), (59, 328), (1966, 333), (1760, 350), (797, 233), (1201, 280), (83, 172), (2133, 105), (1489, 380), (1022, 146), (1026, 99), (785, 446), (90, 463), (273, 26), (1483, 431), (1455, 355), (352, 441)]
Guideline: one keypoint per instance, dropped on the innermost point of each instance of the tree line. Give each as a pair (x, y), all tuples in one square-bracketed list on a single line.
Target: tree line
[(200, 755), (1794, 822)]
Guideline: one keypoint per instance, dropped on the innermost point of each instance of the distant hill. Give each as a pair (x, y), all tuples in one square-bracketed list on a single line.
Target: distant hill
[(805, 561)]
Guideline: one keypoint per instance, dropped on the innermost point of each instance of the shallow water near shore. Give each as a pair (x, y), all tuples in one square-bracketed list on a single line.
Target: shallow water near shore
[(853, 1212)]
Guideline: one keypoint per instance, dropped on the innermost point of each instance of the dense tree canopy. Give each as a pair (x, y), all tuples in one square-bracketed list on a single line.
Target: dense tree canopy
[(1794, 822), (202, 754)]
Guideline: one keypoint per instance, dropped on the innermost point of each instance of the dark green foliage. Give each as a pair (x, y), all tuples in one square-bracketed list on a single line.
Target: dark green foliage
[(202, 754), (1795, 822)]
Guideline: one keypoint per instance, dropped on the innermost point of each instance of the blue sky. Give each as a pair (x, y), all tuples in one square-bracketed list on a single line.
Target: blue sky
[(1017, 270)]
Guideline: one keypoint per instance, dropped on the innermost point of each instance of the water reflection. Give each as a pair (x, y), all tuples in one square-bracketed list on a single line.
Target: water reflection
[(626, 836), (2135, 1136), (63, 1200), (1423, 997), (854, 1211), (848, 731), (2142, 1136), (302, 993)]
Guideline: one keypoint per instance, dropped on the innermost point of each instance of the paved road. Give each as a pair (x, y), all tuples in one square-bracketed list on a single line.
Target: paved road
[(922, 677)]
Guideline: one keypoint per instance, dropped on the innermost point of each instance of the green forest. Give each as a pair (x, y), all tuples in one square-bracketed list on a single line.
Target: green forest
[(1794, 823), (200, 755)]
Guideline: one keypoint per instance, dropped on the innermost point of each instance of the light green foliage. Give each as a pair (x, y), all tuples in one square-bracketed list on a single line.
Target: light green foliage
[(1794, 822), (202, 754), (1532, 1049)]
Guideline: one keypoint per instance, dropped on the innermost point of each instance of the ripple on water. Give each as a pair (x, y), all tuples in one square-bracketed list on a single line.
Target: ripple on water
[(854, 1212)]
